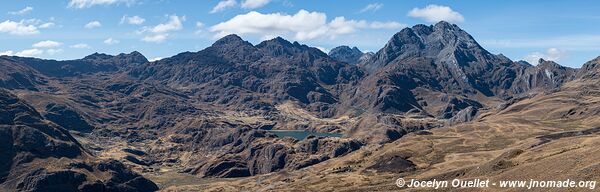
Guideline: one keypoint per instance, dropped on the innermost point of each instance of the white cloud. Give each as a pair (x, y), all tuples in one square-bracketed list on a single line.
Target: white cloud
[(199, 24), (29, 53), (325, 50), (552, 54), (93, 24), (435, 13), (47, 44), (174, 24), (81, 4), (134, 20), (80, 46), (580, 42), (46, 25), (387, 25), (22, 11), (303, 25), (158, 38), (253, 4), (54, 51), (372, 7), (18, 28), (199, 27), (31, 21), (8, 53), (111, 41), (155, 59), (222, 5), (160, 32)]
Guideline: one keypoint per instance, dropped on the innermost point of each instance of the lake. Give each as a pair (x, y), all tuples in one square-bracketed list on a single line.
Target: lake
[(300, 135)]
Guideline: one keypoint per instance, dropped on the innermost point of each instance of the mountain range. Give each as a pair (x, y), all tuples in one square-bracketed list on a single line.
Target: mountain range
[(427, 104)]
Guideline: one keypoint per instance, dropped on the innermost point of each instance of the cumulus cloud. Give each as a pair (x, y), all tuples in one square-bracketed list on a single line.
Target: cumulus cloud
[(18, 28), (81, 4), (253, 4), (80, 46), (158, 38), (435, 13), (160, 32), (372, 7), (578, 42), (54, 51), (22, 11), (93, 24), (222, 5), (155, 59), (174, 24), (323, 49), (111, 41), (303, 25), (134, 20), (9, 53), (387, 25), (552, 54), (47, 25), (199, 27), (29, 53), (47, 44)]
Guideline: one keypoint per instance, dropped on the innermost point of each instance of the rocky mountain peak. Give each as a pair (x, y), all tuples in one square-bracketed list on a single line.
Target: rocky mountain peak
[(446, 26), (232, 47), (524, 63), (279, 42), (547, 63), (590, 69), (231, 39), (278, 46), (346, 54), (122, 58), (96, 56), (442, 42), (132, 58)]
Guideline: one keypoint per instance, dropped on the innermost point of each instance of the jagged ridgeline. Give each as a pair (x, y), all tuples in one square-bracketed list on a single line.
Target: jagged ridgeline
[(212, 113)]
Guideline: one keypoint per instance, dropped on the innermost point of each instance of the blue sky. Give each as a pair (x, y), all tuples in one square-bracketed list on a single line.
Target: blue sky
[(565, 31)]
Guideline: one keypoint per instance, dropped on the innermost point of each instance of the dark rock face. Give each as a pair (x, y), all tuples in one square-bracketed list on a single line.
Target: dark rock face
[(546, 75), (30, 144), (257, 152), (91, 64), (464, 115), (67, 118), (16, 75), (365, 57), (346, 54), (393, 163), (423, 63), (590, 70), (234, 73)]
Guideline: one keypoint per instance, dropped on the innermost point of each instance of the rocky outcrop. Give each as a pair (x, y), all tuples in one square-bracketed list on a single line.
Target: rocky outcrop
[(36, 155), (66, 117), (234, 73), (421, 64), (545, 75), (464, 115), (590, 70), (16, 75), (347, 54), (95, 63), (253, 152)]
